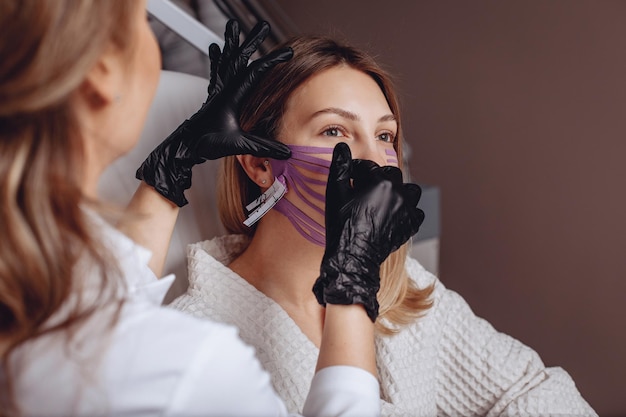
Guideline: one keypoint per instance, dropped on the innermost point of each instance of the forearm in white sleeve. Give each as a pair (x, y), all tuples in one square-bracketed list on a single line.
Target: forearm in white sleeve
[(226, 379), (343, 391)]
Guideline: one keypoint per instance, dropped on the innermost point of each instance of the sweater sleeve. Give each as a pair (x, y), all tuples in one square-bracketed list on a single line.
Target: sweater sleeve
[(484, 372)]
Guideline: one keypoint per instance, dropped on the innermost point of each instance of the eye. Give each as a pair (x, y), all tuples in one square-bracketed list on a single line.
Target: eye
[(387, 137), (334, 131)]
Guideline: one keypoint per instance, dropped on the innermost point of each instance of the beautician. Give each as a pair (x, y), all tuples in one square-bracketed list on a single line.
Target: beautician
[(82, 329)]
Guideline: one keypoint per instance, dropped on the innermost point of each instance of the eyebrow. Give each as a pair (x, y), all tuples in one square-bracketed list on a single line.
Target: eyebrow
[(349, 115)]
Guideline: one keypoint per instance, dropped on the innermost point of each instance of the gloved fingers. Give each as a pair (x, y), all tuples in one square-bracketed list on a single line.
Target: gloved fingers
[(231, 40), (264, 148), (340, 171), (363, 166), (393, 173), (367, 175), (418, 218), (415, 216), (414, 219), (409, 218), (214, 54), (268, 61), (215, 85), (258, 68), (220, 144), (256, 36), (412, 194), (339, 189), (405, 224), (362, 171)]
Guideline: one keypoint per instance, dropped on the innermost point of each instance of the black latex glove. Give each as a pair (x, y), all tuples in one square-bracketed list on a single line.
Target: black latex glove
[(214, 131), (369, 214)]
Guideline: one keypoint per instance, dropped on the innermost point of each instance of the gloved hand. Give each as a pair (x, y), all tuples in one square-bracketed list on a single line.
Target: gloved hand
[(366, 219), (214, 131)]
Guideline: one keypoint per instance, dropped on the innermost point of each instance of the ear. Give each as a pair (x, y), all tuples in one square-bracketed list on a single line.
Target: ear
[(102, 85), (259, 170)]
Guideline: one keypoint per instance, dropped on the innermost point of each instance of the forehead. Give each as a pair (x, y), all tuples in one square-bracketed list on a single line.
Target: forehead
[(340, 86)]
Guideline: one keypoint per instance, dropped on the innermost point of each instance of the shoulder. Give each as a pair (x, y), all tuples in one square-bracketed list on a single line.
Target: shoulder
[(442, 296), (150, 342), (150, 358), (449, 308), (454, 322), (205, 257), (192, 364), (223, 249), (217, 292), (162, 331), (418, 274), (422, 278)]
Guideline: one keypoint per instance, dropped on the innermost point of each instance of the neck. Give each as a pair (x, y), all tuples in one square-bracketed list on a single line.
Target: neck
[(283, 265), (280, 262), (90, 184), (96, 162)]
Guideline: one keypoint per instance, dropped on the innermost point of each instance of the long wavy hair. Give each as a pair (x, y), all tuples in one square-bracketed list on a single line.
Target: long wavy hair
[(46, 51), (400, 300)]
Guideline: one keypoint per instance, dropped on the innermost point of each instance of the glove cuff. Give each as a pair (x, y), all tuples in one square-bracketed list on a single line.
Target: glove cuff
[(172, 193), (168, 167), (345, 289)]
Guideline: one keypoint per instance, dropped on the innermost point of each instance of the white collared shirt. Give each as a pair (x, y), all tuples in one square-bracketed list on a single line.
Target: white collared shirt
[(159, 362)]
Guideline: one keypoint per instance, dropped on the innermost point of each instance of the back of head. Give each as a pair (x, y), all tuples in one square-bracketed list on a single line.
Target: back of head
[(46, 50)]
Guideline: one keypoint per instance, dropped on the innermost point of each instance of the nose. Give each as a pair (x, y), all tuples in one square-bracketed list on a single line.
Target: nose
[(374, 152)]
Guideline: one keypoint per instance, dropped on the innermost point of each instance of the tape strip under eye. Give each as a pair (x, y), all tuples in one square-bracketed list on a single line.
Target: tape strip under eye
[(392, 157)]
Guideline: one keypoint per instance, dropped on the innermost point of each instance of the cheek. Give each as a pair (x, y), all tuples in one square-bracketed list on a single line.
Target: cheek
[(391, 157), (150, 62), (316, 180), (144, 79), (306, 173)]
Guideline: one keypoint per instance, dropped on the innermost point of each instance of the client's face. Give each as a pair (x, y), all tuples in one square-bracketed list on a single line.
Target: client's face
[(339, 104)]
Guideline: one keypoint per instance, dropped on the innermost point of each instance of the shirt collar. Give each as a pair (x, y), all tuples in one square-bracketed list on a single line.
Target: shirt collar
[(141, 282)]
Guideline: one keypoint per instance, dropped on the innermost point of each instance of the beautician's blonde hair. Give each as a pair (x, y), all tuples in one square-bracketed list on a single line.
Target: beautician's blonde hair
[(400, 300), (46, 51)]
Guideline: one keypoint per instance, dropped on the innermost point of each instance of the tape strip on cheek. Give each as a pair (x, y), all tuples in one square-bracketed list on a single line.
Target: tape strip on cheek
[(392, 157), (305, 159)]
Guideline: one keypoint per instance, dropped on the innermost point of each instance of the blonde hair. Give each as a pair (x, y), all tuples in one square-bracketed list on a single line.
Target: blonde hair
[(401, 302), (47, 49)]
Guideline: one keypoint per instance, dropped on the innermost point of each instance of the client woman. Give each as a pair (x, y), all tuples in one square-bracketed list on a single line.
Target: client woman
[(434, 356)]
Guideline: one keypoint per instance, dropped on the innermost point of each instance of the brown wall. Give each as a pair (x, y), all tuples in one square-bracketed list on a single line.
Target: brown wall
[(517, 111)]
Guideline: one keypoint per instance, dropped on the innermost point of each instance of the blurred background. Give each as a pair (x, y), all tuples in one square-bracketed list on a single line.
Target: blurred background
[(516, 112)]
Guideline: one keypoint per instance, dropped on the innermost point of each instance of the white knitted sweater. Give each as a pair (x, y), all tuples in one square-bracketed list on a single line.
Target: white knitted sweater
[(447, 363)]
